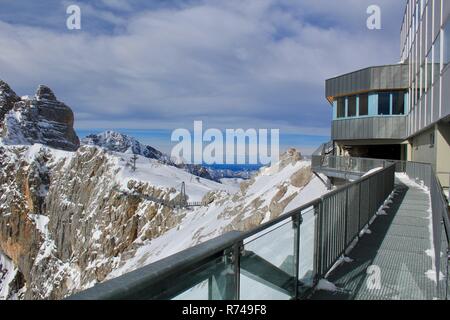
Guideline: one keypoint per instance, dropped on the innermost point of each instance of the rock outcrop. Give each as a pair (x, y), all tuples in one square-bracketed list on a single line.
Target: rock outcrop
[(41, 119), (255, 207), (7, 100)]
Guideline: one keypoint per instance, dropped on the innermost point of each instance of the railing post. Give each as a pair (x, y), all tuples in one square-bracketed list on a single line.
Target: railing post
[(318, 235), (225, 285), (237, 250), (346, 217), (296, 223), (359, 207)]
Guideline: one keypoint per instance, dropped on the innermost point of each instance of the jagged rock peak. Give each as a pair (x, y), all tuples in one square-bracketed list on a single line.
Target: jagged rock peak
[(291, 156), (45, 93), (5, 88), (7, 99), (43, 120)]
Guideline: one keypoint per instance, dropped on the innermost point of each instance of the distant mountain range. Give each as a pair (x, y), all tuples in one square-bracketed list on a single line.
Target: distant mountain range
[(119, 142)]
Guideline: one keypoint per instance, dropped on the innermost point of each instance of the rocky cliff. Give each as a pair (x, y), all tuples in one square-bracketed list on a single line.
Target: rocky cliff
[(40, 119), (65, 221)]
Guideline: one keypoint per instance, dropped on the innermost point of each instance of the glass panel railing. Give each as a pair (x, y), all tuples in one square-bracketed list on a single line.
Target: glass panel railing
[(306, 272), (347, 164), (215, 280), (197, 292), (268, 264)]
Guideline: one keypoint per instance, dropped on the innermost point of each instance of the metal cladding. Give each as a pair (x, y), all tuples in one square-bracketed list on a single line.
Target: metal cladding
[(389, 77)]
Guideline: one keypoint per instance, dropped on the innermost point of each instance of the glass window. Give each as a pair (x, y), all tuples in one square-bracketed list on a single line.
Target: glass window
[(446, 43), (422, 80), (429, 26), (398, 102), (429, 71), (384, 99), (364, 105), (352, 106), (341, 108), (437, 59)]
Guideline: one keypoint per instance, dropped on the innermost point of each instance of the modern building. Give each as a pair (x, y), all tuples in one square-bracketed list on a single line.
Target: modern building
[(401, 111)]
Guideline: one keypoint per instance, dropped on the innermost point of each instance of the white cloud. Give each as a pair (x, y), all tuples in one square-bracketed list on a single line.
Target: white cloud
[(251, 63)]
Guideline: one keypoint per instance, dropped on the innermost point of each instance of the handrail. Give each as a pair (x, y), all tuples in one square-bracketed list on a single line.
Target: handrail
[(145, 282), (217, 265)]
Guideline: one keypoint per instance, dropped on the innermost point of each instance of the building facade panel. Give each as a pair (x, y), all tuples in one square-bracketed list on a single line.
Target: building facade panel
[(388, 127), (370, 79)]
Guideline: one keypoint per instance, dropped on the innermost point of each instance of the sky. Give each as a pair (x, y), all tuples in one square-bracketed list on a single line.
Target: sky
[(148, 67)]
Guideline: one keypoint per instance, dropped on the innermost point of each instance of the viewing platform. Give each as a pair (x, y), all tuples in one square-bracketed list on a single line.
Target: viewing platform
[(394, 261), (326, 241)]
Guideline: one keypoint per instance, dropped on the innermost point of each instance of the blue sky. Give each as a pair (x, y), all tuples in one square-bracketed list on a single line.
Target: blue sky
[(149, 67)]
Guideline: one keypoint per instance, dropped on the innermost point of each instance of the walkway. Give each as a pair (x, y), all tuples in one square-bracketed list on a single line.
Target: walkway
[(396, 250)]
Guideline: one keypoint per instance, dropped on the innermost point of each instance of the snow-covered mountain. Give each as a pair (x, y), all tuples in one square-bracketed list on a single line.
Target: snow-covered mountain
[(70, 219), (241, 173), (273, 191), (118, 142)]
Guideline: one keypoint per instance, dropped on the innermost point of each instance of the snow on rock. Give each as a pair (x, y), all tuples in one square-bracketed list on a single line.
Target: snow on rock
[(7, 99), (115, 141), (164, 176), (122, 143), (10, 281), (232, 182), (265, 196), (72, 219), (41, 119)]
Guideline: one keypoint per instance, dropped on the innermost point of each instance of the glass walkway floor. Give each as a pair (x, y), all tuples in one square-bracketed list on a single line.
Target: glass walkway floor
[(393, 261)]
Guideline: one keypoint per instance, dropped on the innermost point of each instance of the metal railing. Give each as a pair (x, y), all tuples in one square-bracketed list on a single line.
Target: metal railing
[(326, 148), (444, 177), (423, 174), (277, 260), (358, 166)]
